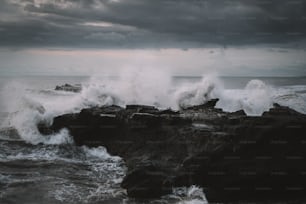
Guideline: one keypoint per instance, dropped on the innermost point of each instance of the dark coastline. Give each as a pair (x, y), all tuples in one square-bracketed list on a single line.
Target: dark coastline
[(234, 157)]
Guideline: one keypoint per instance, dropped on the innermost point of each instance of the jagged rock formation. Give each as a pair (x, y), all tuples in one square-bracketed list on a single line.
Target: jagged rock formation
[(68, 87), (231, 155)]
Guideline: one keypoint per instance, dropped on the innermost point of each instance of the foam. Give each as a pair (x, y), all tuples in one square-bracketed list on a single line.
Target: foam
[(100, 153), (254, 99), (292, 96), (71, 174), (139, 86), (28, 107), (190, 195), (199, 93)]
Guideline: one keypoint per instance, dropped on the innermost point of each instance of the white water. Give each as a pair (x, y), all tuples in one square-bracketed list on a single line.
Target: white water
[(100, 173), (64, 173), (28, 105), (190, 195), (254, 99)]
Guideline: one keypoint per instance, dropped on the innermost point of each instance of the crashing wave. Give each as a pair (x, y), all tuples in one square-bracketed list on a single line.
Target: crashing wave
[(27, 108)]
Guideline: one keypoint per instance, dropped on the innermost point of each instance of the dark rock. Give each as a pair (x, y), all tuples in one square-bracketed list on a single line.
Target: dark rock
[(45, 128), (232, 156), (147, 119), (209, 104), (9, 132), (238, 113), (279, 110), (142, 109), (146, 180), (169, 112), (68, 87)]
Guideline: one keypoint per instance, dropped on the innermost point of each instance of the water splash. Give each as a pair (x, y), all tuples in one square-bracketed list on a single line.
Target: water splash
[(29, 106)]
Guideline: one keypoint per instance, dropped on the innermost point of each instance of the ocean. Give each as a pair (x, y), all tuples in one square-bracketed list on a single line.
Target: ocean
[(51, 169)]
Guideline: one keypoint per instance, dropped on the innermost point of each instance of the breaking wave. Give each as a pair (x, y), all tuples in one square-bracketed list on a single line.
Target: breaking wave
[(74, 174), (58, 174), (254, 99), (190, 195), (28, 106)]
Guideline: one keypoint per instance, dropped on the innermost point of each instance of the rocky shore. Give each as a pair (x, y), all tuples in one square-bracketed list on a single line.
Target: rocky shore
[(68, 87), (230, 155)]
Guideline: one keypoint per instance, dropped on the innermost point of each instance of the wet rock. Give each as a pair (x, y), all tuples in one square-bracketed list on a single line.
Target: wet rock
[(9, 132), (146, 180), (68, 87), (141, 108), (209, 104), (169, 112), (279, 110), (232, 156)]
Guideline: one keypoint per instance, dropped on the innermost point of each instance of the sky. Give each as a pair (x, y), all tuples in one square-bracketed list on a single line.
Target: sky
[(184, 37)]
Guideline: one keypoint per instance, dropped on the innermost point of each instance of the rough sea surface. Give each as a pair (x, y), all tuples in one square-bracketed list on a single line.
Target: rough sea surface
[(51, 169)]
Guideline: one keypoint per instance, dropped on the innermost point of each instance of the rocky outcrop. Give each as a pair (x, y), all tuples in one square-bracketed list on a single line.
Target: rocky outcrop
[(231, 155), (70, 88)]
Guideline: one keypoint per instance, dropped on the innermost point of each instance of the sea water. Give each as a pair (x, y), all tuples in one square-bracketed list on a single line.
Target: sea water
[(51, 169)]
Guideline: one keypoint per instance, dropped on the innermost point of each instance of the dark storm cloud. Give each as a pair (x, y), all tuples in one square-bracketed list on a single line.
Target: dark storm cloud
[(150, 23)]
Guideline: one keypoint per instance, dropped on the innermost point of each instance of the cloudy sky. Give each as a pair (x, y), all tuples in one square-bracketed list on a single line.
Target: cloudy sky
[(231, 37)]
